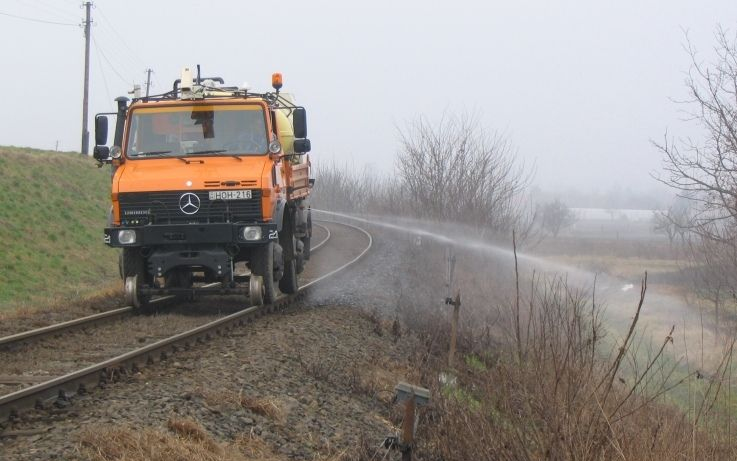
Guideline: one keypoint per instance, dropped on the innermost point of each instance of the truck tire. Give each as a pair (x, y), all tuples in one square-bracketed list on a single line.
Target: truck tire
[(288, 283), (307, 239), (262, 263)]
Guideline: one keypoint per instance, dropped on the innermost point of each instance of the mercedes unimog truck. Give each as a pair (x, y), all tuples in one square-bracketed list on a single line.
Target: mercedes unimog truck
[(210, 188)]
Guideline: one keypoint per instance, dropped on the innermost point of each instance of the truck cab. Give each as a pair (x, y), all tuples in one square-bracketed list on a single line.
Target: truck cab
[(210, 190)]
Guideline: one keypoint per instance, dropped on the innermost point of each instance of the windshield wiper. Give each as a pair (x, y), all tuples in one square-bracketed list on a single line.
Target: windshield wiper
[(205, 152), (153, 152), (215, 151)]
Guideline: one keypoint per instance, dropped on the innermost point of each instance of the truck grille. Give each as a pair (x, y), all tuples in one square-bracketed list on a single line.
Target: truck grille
[(163, 208)]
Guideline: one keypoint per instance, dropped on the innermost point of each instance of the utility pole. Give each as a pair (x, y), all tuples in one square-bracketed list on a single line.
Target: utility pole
[(148, 80), (85, 98)]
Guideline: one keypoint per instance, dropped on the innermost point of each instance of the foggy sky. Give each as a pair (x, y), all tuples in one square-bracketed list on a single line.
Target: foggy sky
[(579, 87)]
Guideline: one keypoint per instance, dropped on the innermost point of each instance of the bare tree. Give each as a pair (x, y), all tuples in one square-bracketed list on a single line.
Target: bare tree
[(456, 171), (556, 216), (706, 172), (673, 222)]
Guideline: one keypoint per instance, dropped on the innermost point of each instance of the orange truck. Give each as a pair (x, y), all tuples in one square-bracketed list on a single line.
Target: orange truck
[(210, 189)]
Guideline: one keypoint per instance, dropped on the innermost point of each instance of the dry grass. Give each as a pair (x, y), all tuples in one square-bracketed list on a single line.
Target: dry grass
[(263, 406), (254, 448), (269, 407), (186, 440), (108, 296)]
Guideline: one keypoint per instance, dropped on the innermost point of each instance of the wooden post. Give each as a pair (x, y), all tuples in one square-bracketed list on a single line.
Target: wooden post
[(411, 396), (408, 429), (454, 328), (86, 92)]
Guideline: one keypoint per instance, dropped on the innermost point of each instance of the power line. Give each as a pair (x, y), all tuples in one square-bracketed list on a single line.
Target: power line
[(102, 71), (112, 67), (117, 54), (38, 20), (52, 9), (122, 39)]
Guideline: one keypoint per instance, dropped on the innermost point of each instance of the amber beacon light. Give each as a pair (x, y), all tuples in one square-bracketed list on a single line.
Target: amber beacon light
[(276, 80)]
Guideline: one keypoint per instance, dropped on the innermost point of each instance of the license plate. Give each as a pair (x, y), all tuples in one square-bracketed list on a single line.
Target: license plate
[(230, 194)]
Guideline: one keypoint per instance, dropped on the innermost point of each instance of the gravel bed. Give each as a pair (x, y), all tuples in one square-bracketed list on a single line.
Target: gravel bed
[(327, 372)]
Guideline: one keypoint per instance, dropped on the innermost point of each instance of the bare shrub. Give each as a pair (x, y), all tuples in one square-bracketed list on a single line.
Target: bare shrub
[(538, 377), (455, 170), (316, 368), (348, 188), (549, 395)]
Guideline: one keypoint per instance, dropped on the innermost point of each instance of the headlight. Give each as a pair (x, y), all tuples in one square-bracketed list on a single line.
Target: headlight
[(126, 236), (251, 233), (274, 146)]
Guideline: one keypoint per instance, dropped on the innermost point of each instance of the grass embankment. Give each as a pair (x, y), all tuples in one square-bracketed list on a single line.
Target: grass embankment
[(53, 207)]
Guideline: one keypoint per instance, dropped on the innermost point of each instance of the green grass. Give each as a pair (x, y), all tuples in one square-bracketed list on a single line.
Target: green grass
[(53, 207)]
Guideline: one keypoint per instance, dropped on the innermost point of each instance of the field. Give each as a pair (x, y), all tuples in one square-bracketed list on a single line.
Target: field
[(53, 208)]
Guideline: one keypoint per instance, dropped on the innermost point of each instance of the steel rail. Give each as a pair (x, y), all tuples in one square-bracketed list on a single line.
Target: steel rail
[(102, 317), (79, 382)]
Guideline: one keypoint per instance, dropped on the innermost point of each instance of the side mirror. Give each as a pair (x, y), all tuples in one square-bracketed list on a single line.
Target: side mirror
[(100, 130), (302, 146), (299, 119), (101, 153)]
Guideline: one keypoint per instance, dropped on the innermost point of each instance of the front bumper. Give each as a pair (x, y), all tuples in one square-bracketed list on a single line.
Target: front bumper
[(190, 234)]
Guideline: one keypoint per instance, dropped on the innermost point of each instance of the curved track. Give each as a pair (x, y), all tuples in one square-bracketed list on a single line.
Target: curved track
[(102, 317), (80, 381)]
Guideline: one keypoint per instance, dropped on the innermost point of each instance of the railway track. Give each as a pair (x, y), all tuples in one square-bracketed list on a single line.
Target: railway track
[(7, 342), (79, 382)]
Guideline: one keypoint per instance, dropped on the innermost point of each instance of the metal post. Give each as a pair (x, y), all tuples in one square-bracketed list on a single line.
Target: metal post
[(454, 329), (456, 303), (85, 98), (451, 260), (148, 81)]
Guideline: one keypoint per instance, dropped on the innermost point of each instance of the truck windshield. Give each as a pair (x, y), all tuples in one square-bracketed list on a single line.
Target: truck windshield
[(201, 130)]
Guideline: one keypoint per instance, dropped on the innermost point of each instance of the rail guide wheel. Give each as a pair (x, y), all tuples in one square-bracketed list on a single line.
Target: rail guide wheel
[(256, 290), (131, 291)]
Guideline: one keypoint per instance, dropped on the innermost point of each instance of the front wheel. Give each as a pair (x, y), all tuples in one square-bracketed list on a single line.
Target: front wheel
[(288, 283)]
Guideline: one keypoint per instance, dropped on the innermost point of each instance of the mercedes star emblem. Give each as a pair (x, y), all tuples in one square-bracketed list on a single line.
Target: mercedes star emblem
[(189, 203)]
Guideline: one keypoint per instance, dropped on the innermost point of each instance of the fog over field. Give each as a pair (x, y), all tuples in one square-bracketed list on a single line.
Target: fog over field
[(579, 88)]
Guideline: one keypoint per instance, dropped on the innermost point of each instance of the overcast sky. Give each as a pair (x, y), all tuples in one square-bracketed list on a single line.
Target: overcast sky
[(579, 87)]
